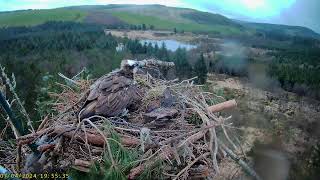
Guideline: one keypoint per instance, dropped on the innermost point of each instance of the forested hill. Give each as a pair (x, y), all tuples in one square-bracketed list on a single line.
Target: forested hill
[(157, 16), (35, 55)]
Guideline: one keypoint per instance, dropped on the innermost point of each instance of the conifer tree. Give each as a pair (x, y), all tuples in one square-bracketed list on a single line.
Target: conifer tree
[(163, 53), (183, 68), (200, 69), (149, 49), (175, 30), (156, 49)]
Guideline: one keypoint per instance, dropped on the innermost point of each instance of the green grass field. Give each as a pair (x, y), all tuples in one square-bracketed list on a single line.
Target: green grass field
[(137, 19), (35, 17), (162, 17)]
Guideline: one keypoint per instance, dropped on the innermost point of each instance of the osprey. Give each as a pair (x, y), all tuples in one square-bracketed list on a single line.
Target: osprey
[(113, 93)]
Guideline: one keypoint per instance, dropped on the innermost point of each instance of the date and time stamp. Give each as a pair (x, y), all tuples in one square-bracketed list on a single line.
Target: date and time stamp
[(35, 176)]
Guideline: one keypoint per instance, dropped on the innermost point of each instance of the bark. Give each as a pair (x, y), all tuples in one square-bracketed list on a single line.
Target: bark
[(223, 106)]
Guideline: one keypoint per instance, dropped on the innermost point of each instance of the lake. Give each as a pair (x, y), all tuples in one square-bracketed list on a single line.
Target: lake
[(172, 45)]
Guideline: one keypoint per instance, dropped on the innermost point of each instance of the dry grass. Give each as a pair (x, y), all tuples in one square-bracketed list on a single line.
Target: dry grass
[(153, 35)]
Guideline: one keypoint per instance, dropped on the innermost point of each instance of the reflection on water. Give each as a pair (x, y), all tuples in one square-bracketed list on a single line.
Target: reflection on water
[(172, 45)]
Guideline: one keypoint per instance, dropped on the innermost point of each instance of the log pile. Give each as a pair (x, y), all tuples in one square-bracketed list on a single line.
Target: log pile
[(178, 125)]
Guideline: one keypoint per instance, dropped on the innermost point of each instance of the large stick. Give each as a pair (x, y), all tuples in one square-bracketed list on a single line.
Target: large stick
[(154, 62), (93, 136), (222, 106), (243, 164), (147, 63)]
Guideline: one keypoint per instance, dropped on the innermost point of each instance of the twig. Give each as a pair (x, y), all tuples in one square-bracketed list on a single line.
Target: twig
[(190, 165), (215, 152), (228, 138), (106, 140), (83, 70), (58, 145), (65, 86), (139, 169), (244, 165), (186, 134), (193, 138), (86, 141), (18, 159), (3, 132), (125, 129), (68, 79), (35, 135), (43, 123), (213, 138), (148, 158)]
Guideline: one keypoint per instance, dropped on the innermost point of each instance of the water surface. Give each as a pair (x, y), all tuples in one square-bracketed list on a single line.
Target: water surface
[(172, 45)]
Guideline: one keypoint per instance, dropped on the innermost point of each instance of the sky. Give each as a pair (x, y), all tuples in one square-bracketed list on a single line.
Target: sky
[(291, 12)]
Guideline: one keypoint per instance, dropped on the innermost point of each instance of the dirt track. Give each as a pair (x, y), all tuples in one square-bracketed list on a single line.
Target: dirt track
[(153, 35)]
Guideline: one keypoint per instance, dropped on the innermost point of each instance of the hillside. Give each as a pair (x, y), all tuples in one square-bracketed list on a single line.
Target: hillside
[(282, 29), (161, 17)]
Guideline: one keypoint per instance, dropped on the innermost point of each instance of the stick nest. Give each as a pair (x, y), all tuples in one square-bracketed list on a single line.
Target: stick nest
[(189, 144)]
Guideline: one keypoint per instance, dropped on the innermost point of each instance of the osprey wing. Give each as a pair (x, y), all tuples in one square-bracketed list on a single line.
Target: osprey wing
[(110, 96)]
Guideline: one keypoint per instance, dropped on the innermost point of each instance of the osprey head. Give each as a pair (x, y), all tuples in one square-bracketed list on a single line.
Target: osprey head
[(129, 64), (129, 67)]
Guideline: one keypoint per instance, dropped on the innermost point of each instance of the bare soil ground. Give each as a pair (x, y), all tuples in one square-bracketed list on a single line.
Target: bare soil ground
[(153, 35)]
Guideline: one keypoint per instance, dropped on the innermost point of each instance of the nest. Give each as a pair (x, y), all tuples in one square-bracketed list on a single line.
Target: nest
[(189, 142)]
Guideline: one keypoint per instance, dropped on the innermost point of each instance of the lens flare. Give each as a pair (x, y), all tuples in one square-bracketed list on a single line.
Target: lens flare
[(254, 4)]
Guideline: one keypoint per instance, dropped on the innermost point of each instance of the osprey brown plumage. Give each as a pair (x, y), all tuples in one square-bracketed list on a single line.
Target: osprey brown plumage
[(111, 94)]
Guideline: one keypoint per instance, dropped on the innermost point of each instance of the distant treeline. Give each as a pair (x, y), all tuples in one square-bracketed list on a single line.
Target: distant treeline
[(297, 70), (47, 28)]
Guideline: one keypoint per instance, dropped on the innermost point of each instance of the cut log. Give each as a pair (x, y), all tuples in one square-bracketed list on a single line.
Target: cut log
[(222, 106), (93, 138)]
